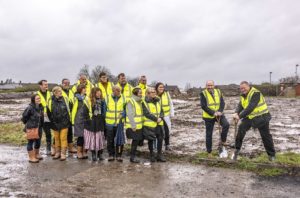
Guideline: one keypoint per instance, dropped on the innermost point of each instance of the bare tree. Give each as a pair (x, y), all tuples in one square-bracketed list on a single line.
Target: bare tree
[(97, 70), (134, 81), (187, 86), (153, 83), (84, 70)]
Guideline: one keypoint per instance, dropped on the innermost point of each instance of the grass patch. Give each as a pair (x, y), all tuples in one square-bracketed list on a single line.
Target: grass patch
[(12, 133), (259, 165)]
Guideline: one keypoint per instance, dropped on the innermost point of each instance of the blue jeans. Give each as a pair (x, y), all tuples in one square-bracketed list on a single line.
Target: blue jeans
[(35, 143)]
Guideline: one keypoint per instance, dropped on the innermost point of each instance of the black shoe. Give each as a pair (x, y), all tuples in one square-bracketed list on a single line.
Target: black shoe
[(272, 158), (94, 156), (119, 159), (160, 158), (111, 158), (152, 158), (100, 157), (134, 160), (167, 148)]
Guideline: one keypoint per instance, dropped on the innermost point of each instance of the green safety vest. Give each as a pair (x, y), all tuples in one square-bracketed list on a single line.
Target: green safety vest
[(114, 110), (127, 92), (88, 87), (44, 101), (261, 107), (143, 88), (165, 100), (105, 92), (213, 103), (138, 117), (155, 110), (70, 96)]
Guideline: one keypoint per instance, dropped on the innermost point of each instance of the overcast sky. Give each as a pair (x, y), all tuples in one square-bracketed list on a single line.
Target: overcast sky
[(174, 41)]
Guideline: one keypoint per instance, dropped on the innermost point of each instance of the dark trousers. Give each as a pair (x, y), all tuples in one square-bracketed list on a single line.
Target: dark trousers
[(35, 143), (47, 131), (111, 148), (159, 138), (70, 135), (134, 145), (80, 141), (167, 134), (209, 124), (264, 133)]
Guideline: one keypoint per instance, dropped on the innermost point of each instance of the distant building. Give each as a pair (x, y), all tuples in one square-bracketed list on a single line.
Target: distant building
[(290, 87), (173, 90), (9, 84)]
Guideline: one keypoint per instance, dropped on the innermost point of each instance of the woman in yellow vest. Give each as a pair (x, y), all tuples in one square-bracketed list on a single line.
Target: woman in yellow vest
[(134, 121), (253, 111), (60, 116), (153, 123), (168, 109), (81, 115)]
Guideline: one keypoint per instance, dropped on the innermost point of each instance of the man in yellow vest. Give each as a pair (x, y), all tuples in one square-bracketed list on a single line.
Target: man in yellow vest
[(105, 85), (253, 111), (69, 94), (125, 87), (83, 81), (212, 104), (115, 112), (143, 84), (45, 96)]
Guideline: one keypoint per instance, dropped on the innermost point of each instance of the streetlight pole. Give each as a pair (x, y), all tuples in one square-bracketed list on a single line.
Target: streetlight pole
[(297, 71), (271, 78)]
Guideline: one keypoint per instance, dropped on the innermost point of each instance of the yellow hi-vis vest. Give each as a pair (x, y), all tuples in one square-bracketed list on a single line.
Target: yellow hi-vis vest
[(88, 87), (86, 102), (44, 101), (165, 100), (67, 104), (105, 92), (114, 110), (138, 116), (213, 103), (155, 110), (127, 93), (70, 96), (261, 107), (143, 88)]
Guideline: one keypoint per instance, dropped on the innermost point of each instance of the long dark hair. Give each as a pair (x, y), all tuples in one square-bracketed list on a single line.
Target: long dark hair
[(32, 99), (157, 85), (93, 95)]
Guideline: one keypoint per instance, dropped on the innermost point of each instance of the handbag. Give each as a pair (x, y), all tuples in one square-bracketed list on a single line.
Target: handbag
[(32, 133)]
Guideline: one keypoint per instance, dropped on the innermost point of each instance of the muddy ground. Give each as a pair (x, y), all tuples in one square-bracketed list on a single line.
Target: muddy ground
[(81, 178)]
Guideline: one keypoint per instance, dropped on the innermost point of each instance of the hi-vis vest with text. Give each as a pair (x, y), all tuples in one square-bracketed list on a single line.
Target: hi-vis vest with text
[(44, 101), (213, 103), (86, 102), (165, 100), (105, 92), (261, 107), (114, 110), (138, 115), (154, 109)]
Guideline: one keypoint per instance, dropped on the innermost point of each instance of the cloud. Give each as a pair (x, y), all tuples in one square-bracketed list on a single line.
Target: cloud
[(171, 41)]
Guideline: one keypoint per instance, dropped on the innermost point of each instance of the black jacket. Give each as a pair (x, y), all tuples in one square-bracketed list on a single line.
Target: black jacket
[(59, 116), (205, 108), (33, 116), (146, 112), (98, 119)]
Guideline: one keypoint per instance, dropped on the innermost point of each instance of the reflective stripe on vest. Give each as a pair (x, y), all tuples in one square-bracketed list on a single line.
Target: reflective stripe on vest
[(67, 104), (155, 110), (260, 109), (105, 92), (165, 103), (114, 110), (138, 115), (86, 102), (44, 101), (127, 93), (213, 103)]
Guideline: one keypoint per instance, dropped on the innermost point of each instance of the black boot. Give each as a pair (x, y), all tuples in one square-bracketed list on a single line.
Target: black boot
[(134, 160), (94, 156), (48, 148), (100, 156), (160, 158), (152, 157)]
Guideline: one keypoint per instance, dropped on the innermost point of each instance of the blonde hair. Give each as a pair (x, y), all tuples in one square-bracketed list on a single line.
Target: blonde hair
[(56, 89)]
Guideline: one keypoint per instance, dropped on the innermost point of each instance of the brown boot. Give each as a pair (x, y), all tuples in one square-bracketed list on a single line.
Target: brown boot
[(31, 155), (53, 150), (71, 148), (37, 154), (85, 155), (79, 152), (63, 154), (57, 153)]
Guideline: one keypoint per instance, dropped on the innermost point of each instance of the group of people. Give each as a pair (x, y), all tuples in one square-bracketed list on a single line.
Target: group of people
[(98, 113)]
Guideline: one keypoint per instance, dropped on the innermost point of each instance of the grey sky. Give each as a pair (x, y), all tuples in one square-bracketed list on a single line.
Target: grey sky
[(173, 41)]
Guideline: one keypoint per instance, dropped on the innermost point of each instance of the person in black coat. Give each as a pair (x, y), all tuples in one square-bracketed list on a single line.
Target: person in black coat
[(33, 117)]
